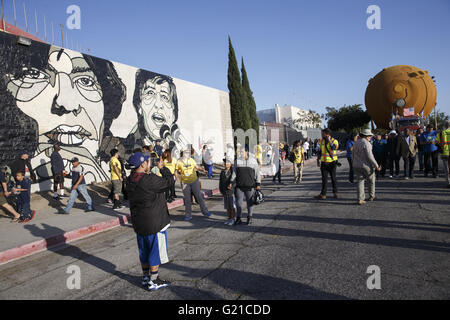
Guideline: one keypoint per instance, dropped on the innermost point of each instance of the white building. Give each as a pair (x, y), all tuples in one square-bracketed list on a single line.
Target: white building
[(292, 116)]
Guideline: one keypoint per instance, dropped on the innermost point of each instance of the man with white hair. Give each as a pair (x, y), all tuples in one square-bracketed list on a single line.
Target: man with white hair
[(364, 165)]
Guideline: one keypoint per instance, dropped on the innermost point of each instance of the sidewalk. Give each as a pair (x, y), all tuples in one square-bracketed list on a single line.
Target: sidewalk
[(49, 228)]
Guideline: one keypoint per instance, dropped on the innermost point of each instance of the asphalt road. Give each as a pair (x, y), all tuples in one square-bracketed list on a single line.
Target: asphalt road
[(297, 248)]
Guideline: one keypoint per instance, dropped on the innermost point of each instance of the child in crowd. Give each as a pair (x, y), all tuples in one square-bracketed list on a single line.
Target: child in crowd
[(226, 185), (23, 191)]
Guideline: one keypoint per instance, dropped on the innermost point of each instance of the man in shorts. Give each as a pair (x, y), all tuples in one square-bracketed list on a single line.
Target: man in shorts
[(150, 217)]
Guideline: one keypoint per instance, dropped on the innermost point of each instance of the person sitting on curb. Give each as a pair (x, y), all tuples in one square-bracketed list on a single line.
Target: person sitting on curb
[(78, 186), (4, 194), (364, 165), (150, 216)]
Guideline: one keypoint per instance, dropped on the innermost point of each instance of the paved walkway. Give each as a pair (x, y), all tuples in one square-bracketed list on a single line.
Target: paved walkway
[(297, 248), (49, 228)]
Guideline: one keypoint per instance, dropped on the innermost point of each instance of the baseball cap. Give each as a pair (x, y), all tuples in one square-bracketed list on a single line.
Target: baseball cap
[(137, 159)]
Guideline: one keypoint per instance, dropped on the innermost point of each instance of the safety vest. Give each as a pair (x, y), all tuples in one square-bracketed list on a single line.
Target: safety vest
[(325, 155), (445, 143)]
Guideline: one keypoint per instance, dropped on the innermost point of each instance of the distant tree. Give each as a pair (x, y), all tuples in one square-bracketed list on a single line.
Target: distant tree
[(350, 119), (250, 101), (441, 118), (239, 114)]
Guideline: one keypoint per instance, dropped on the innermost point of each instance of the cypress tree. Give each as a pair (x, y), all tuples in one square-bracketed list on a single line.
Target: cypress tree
[(239, 116), (250, 101)]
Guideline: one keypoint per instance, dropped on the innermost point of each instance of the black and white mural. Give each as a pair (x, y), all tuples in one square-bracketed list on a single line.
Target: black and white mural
[(88, 106)]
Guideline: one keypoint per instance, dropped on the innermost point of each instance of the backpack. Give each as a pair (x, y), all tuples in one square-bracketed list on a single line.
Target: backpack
[(291, 157)]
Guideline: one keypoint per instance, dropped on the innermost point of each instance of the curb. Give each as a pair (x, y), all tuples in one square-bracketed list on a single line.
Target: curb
[(78, 234)]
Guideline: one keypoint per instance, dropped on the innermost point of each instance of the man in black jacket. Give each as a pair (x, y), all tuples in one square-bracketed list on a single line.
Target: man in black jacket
[(393, 157), (150, 216), (19, 164), (57, 164)]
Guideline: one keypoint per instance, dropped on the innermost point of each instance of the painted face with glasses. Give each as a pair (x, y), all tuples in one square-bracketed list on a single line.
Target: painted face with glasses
[(64, 98)]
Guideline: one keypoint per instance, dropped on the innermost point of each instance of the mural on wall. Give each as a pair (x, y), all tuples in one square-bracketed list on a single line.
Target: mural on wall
[(51, 95)]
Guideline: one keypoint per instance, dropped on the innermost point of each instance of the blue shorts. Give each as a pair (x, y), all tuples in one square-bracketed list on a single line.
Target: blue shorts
[(153, 249)]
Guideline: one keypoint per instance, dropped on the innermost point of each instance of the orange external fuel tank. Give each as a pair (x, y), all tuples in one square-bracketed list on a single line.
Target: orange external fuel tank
[(399, 88)]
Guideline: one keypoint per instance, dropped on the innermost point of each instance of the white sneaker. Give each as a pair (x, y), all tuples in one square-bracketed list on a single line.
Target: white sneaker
[(231, 222)]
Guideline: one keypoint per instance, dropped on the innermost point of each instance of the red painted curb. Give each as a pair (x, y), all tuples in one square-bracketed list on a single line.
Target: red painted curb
[(45, 244)]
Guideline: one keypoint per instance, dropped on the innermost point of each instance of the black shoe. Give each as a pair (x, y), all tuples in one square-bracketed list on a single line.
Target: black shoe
[(249, 221), (157, 284), (238, 221), (89, 210)]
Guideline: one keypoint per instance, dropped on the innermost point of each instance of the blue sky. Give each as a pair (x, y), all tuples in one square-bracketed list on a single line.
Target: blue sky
[(311, 54)]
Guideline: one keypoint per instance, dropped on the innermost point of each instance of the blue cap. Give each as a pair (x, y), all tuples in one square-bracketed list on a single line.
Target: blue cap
[(137, 159)]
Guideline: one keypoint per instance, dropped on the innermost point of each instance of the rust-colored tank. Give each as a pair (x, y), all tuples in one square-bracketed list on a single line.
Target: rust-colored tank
[(397, 89)]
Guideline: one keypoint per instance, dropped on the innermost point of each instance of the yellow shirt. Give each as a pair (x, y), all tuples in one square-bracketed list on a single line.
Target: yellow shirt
[(258, 152), (299, 154), (186, 168), (115, 162), (171, 165)]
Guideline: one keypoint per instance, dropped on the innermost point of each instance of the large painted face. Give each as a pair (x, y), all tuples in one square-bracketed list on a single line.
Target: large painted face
[(157, 106), (65, 99)]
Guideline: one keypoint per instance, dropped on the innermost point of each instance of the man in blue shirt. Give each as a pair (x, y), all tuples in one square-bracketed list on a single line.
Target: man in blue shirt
[(379, 152), (428, 140), (350, 142)]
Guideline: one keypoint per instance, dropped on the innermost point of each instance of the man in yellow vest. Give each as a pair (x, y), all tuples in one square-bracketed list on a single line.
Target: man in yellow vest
[(299, 154), (327, 160), (443, 139)]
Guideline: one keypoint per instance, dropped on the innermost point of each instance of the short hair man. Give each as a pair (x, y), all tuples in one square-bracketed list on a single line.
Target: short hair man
[(78, 186), (327, 160), (150, 217)]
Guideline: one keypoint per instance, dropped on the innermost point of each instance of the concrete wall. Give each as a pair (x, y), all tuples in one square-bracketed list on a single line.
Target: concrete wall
[(89, 106)]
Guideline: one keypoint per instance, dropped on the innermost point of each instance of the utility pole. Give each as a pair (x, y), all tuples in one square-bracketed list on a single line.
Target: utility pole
[(3, 17), (15, 16), (62, 36), (25, 14)]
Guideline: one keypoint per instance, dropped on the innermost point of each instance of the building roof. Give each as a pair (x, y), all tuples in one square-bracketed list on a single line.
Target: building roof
[(9, 28)]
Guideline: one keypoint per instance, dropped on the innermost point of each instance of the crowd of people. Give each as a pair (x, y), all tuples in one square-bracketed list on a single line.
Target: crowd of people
[(154, 171)]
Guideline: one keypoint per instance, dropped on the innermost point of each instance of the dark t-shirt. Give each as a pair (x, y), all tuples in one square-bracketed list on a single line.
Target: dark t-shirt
[(2, 178), (24, 196)]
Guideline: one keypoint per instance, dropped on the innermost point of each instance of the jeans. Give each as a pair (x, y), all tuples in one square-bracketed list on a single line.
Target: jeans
[(210, 171), (433, 166), (325, 169), (194, 188), (409, 163), (239, 200), (381, 160), (278, 174), (351, 174), (421, 156), (394, 160), (74, 194), (298, 172), (446, 165), (24, 208), (363, 174)]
